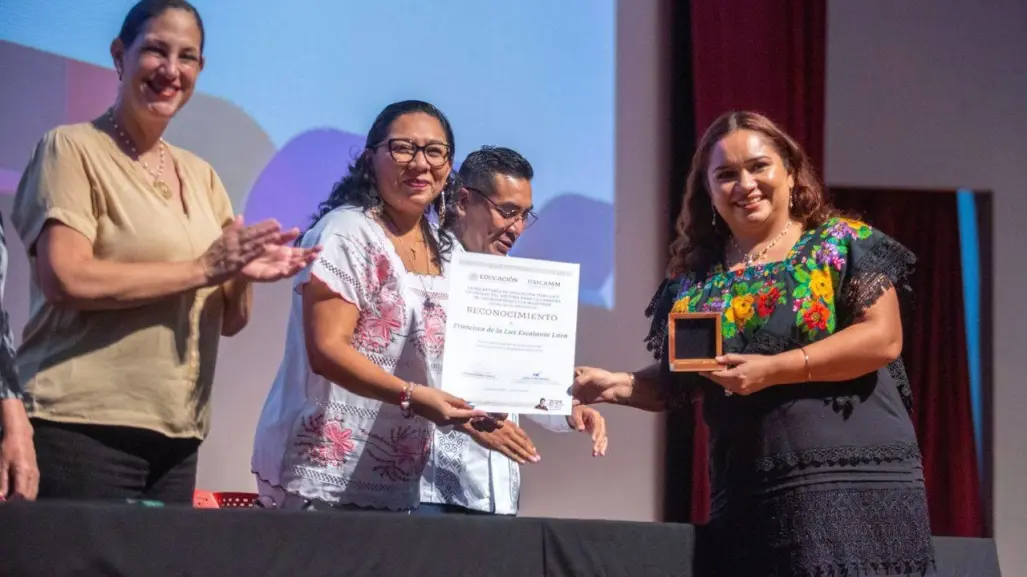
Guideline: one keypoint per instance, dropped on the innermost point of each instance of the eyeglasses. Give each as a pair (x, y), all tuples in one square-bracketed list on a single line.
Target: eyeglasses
[(508, 213), (403, 151)]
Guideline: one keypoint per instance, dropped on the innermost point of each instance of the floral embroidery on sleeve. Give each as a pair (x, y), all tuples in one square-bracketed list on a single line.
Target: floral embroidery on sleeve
[(842, 228), (818, 275), (814, 298)]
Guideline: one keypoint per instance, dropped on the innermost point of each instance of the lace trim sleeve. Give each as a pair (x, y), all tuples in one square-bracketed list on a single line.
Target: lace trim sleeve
[(657, 311), (876, 264), (674, 389)]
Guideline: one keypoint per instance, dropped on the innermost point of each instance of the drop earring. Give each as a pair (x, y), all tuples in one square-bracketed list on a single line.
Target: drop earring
[(714, 222), (442, 209)]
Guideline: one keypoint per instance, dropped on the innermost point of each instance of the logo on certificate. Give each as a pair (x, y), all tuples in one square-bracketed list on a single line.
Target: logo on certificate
[(549, 405), (508, 279)]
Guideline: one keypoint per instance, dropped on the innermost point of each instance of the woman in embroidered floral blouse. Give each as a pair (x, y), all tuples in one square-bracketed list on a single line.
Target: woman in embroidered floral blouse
[(814, 464), (367, 324)]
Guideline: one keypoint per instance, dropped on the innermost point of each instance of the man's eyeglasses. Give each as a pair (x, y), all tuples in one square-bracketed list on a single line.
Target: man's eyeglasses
[(403, 151), (508, 213)]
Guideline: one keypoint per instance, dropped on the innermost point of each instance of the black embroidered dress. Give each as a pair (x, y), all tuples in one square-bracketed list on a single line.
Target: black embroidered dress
[(815, 478)]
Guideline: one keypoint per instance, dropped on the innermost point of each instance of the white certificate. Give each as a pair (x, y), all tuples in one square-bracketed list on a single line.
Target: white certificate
[(510, 333)]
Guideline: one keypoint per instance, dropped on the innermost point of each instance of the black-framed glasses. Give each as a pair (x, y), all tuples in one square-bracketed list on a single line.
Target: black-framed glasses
[(508, 213), (403, 150)]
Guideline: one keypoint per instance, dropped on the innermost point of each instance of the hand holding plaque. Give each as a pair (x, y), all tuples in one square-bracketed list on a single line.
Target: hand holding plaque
[(695, 342)]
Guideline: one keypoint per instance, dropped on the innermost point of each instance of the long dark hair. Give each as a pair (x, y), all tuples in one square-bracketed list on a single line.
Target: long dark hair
[(358, 187), (699, 244)]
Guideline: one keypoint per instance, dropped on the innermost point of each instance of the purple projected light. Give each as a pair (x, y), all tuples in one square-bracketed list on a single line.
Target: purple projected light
[(301, 175), (8, 181)]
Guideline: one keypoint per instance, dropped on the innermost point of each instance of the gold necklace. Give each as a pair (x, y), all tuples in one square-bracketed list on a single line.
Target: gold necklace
[(158, 182), (413, 253), (428, 304), (749, 259)]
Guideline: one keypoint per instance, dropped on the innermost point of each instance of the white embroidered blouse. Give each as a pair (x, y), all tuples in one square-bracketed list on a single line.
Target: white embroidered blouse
[(316, 439)]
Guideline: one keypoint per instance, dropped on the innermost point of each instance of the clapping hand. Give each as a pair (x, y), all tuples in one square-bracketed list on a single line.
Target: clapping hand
[(279, 261), (261, 252)]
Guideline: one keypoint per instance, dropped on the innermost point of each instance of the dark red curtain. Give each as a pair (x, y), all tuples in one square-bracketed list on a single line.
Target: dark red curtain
[(934, 348), (762, 56)]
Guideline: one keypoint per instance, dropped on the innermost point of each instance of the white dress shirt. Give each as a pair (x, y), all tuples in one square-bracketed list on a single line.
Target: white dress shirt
[(462, 472)]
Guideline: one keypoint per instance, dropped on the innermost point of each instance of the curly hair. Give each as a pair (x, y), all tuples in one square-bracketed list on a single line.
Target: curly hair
[(358, 188), (699, 244)]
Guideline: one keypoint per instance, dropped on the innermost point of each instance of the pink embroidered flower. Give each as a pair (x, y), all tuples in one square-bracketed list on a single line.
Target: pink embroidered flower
[(382, 269), (376, 328), (339, 441), (380, 275), (377, 273), (325, 442), (434, 338)]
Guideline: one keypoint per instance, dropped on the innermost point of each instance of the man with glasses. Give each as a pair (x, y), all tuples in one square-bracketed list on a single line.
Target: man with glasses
[(477, 471)]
